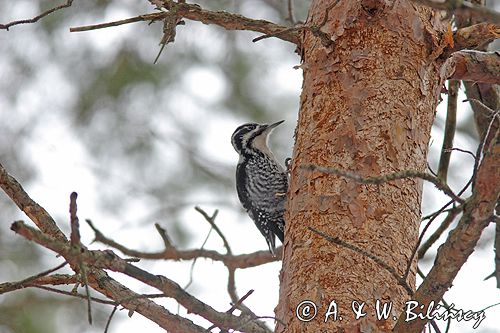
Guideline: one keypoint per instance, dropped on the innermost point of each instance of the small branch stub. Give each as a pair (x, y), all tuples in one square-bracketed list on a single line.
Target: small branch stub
[(75, 225)]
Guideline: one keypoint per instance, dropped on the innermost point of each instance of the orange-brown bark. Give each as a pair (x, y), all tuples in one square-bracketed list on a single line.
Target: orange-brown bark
[(473, 66), (367, 106)]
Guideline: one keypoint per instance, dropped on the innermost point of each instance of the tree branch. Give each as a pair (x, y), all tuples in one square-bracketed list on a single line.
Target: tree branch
[(109, 260), (74, 223), (449, 131), (94, 261), (145, 17), (229, 21), (474, 36), (462, 240), (34, 211), (463, 8), (475, 66), (211, 221), (193, 12), (439, 231), (388, 177), (172, 253), (10, 286), (38, 17)]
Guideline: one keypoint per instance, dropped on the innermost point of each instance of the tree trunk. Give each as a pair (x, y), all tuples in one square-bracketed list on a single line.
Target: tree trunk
[(371, 85)]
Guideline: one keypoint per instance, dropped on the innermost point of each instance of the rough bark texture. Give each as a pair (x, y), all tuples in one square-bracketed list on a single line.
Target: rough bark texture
[(367, 106)]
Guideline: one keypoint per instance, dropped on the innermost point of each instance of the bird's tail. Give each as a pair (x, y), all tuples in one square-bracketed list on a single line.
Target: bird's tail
[(271, 242)]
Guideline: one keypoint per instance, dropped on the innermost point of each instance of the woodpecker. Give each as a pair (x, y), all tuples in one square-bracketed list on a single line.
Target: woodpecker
[(261, 181)]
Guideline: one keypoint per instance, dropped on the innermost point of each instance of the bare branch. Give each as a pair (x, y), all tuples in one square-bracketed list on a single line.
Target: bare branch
[(240, 301), (325, 39), (95, 261), (388, 177), (237, 304), (465, 151), (223, 19), (38, 17), (475, 36), (449, 131), (229, 21), (145, 17), (432, 217), (108, 322), (211, 221), (231, 281), (10, 286), (75, 242), (191, 269), (474, 66), (481, 107), (75, 225), (464, 8), (34, 211), (439, 231), (290, 9), (480, 149), (138, 303), (462, 240), (172, 253), (109, 260), (163, 234), (73, 294), (170, 23)]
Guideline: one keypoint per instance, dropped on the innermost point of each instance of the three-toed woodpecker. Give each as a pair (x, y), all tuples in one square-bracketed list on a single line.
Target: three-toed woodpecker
[(261, 181)]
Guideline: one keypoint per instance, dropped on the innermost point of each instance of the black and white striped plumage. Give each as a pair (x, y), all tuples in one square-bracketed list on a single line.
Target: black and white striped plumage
[(261, 181)]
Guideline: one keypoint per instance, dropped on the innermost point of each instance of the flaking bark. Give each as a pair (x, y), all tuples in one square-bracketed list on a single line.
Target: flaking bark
[(367, 106)]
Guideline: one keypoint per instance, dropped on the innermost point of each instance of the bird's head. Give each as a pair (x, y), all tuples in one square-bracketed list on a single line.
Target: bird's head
[(250, 138)]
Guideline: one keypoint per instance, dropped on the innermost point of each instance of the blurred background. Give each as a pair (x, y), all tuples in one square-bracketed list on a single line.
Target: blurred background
[(144, 143)]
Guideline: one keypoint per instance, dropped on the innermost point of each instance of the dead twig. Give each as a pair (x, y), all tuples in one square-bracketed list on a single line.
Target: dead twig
[(452, 214), (449, 130), (163, 234), (75, 232), (10, 286), (291, 15), (73, 294), (152, 17), (482, 143), (211, 221), (6, 26), (235, 306), (108, 322)]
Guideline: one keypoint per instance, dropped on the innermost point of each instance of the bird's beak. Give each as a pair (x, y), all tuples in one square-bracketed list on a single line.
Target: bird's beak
[(274, 125)]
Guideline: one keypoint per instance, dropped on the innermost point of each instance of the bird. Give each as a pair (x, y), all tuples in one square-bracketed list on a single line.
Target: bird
[(261, 181)]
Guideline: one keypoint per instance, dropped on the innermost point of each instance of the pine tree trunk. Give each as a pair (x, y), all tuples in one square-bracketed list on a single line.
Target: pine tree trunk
[(371, 85)]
